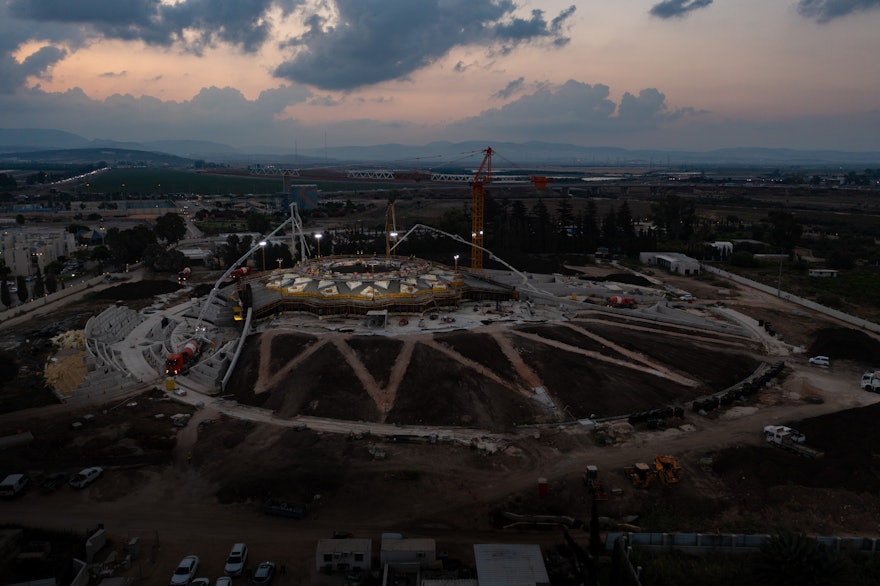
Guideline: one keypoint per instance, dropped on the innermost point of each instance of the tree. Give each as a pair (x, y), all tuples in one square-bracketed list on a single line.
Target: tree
[(675, 216), (171, 228), (541, 227), (162, 260), (19, 219), (590, 227), (5, 296), (21, 283), (51, 282), (794, 558), (39, 286), (785, 231), (258, 222), (128, 245)]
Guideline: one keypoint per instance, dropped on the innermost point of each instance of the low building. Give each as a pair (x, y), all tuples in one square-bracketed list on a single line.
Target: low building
[(510, 565), (674, 262), (343, 554), (414, 550)]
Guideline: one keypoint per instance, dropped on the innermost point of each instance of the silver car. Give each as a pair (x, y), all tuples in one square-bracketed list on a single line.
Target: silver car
[(186, 571), (236, 560)]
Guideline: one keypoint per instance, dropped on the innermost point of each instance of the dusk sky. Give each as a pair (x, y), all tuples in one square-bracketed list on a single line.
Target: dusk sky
[(672, 74)]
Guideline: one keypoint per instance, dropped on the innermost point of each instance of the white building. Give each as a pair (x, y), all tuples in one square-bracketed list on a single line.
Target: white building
[(23, 248), (415, 550), (674, 262), (510, 565), (344, 554)]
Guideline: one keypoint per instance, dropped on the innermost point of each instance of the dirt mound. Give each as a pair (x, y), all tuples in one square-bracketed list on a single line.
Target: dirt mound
[(139, 290), (844, 343), (626, 278), (491, 379)]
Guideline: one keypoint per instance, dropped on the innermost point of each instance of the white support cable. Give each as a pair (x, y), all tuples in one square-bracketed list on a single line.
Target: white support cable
[(524, 277), (293, 219)]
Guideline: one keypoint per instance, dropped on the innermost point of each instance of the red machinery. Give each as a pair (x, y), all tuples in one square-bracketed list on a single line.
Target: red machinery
[(180, 361)]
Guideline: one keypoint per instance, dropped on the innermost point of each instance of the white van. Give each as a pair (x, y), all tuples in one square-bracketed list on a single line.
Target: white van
[(13, 485)]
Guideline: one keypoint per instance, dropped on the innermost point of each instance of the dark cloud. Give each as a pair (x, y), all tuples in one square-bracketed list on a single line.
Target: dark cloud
[(823, 11), (677, 8), (511, 88), (194, 24), (14, 74), (382, 40)]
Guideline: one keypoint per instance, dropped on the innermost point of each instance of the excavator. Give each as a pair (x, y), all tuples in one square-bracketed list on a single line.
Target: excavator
[(668, 469), (665, 469)]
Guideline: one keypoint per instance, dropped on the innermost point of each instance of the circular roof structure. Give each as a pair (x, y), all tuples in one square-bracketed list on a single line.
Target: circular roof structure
[(360, 284)]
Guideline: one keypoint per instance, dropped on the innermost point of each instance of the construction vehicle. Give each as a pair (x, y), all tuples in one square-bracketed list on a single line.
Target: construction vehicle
[(871, 382), (791, 440), (667, 469), (621, 302), (240, 272), (180, 362), (594, 485), (183, 275), (640, 474)]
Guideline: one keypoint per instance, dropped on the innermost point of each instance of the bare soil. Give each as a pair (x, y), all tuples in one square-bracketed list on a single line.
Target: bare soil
[(198, 489)]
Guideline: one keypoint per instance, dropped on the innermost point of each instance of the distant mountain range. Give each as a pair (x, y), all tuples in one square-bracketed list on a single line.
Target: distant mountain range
[(26, 143)]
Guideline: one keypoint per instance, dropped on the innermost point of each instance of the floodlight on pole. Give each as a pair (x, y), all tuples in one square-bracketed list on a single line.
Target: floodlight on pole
[(455, 258), (263, 244), (318, 237)]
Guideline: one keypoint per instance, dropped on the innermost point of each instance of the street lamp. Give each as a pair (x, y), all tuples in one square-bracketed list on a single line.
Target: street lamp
[(455, 258), (318, 237), (263, 246)]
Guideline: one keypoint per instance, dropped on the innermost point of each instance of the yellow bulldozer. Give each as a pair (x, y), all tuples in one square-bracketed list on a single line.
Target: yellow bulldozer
[(665, 469)]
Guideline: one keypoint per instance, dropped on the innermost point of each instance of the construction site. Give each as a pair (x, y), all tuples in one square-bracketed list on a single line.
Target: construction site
[(367, 394)]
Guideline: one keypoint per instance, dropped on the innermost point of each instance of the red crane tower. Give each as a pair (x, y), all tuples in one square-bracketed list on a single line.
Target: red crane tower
[(478, 208)]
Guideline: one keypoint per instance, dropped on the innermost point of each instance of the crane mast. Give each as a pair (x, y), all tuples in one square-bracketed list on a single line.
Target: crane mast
[(478, 208)]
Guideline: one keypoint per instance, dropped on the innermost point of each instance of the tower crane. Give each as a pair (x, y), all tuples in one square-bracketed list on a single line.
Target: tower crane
[(478, 202), (390, 227)]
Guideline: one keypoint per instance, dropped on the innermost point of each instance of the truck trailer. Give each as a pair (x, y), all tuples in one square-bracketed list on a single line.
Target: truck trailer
[(791, 440)]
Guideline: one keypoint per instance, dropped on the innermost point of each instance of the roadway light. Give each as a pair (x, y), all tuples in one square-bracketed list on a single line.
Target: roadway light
[(263, 244), (455, 258), (318, 237)]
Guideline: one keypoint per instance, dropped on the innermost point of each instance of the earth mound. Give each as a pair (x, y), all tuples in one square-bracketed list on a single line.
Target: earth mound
[(844, 343), (138, 290)]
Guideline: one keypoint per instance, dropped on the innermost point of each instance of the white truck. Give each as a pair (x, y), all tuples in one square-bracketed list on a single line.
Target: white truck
[(791, 440), (13, 485), (871, 382)]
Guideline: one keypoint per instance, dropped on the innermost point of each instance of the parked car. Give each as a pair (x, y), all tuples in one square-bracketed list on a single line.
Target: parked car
[(13, 485), (186, 571), (236, 560), (687, 297), (264, 573), (201, 582), (54, 481), (85, 477), (223, 581), (820, 361)]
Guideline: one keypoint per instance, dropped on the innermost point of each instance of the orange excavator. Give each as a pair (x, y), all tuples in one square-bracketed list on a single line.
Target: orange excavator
[(668, 469)]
